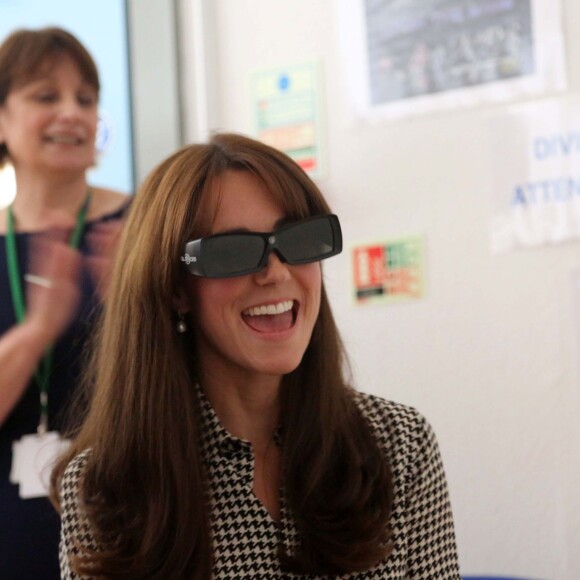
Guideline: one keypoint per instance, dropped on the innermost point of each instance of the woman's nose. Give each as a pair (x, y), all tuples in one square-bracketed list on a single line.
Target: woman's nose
[(275, 271), (70, 108)]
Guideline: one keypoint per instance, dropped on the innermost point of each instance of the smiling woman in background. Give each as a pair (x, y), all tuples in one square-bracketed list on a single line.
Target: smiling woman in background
[(223, 438), (49, 91)]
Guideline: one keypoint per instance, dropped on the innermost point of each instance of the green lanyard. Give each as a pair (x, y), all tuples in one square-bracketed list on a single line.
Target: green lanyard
[(43, 371)]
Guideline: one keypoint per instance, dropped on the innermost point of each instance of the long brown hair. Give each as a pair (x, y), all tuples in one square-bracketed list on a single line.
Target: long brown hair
[(26, 55), (143, 417)]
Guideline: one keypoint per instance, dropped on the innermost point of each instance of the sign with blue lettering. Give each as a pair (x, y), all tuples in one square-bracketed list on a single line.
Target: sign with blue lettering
[(536, 166)]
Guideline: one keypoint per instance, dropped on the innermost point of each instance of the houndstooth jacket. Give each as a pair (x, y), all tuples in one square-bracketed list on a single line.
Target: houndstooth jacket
[(245, 537)]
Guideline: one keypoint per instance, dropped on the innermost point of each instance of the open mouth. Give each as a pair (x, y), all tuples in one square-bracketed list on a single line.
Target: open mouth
[(270, 318)]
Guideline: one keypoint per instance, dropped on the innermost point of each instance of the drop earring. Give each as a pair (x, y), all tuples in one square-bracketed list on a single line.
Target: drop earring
[(181, 326)]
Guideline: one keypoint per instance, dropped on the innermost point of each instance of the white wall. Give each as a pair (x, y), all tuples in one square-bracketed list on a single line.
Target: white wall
[(491, 355)]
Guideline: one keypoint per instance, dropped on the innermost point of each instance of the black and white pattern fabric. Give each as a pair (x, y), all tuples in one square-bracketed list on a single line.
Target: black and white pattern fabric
[(245, 537)]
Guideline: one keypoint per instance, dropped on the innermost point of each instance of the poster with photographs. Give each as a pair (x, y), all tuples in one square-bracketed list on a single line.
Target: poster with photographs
[(407, 57)]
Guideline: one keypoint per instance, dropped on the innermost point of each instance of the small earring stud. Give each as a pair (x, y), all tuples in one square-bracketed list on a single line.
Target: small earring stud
[(181, 326)]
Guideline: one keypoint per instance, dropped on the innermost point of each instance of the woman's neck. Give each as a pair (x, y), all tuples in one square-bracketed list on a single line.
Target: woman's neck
[(248, 406), (249, 410), (43, 204)]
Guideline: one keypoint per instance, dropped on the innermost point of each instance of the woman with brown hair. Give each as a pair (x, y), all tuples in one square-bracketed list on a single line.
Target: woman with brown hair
[(223, 439), (49, 90)]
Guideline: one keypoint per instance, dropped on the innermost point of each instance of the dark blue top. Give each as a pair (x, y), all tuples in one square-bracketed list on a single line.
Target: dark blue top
[(29, 529)]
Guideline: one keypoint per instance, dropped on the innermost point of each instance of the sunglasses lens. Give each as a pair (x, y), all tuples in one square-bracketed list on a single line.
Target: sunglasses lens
[(227, 255), (308, 241), (231, 254)]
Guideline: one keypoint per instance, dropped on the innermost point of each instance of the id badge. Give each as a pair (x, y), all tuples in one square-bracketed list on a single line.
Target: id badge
[(33, 459)]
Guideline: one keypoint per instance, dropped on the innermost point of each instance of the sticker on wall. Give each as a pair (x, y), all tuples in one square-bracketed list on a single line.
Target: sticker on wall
[(287, 113), (389, 271)]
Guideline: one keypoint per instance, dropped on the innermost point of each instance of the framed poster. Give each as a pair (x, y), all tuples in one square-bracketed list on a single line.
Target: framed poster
[(418, 56)]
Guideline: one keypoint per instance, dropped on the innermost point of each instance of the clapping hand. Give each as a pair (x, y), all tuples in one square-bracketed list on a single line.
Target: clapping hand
[(103, 241), (52, 289)]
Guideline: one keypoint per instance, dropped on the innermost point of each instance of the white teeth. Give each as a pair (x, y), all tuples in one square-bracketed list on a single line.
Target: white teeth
[(270, 309), (66, 139)]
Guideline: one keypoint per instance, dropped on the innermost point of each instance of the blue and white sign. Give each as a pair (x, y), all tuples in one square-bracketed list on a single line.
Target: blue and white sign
[(535, 152)]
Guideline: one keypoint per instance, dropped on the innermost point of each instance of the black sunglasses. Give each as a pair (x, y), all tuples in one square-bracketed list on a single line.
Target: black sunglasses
[(237, 254)]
